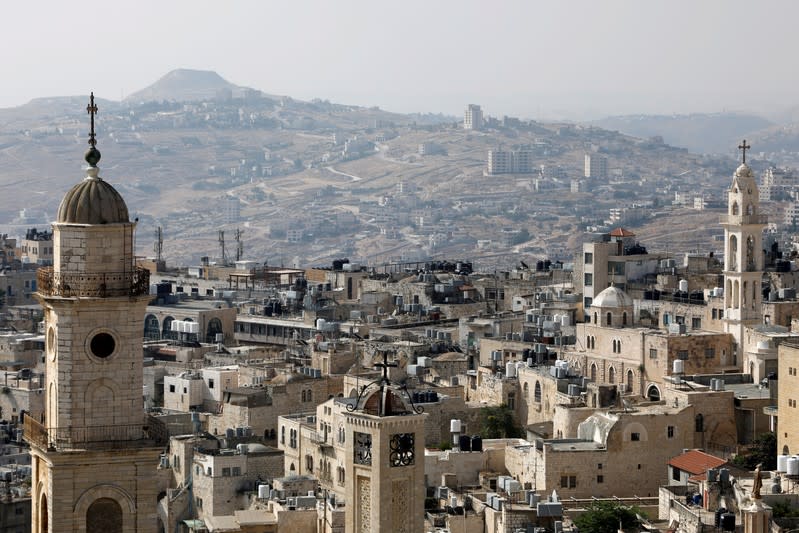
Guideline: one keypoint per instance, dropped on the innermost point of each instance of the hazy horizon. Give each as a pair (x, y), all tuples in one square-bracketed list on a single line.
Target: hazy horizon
[(550, 60)]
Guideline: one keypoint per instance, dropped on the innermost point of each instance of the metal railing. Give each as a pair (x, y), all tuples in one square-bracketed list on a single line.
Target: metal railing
[(135, 282), (94, 437)]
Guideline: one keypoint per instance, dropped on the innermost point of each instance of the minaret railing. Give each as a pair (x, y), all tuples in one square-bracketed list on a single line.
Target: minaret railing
[(134, 282)]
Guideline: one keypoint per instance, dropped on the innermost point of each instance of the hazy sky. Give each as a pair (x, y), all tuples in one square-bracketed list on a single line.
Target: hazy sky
[(541, 59)]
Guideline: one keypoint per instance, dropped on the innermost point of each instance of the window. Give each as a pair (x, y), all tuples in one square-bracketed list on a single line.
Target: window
[(210, 383), (588, 280), (225, 471), (653, 353), (537, 392), (172, 388), (715, 314), (696, 323), (600, 479), (670, 432), (699, 423), (568, 482), (588, 258), (635, 436), (283, 435), (721, 314), (309, 463), (236, 470), (679, 319), (599, 466), (675, 473), (710, 352), (682, 354), (511, 401)]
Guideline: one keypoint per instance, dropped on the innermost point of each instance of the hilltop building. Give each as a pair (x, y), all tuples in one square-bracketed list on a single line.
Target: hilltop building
[(473, 118), (596, 167)]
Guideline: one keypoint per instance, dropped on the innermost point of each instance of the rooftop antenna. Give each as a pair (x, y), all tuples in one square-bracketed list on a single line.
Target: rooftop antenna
[(239, 244), (222, 245), (158, 246)]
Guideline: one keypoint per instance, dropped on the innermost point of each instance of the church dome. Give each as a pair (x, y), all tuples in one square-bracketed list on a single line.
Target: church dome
[(612, 297), (744, 171), (93, 201)]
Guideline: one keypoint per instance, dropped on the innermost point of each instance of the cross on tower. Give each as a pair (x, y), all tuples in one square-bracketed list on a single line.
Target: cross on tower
[(92, 110), (743, 147), (385, 365)]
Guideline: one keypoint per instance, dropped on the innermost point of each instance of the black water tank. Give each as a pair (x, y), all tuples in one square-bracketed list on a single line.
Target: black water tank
[(720, 511), (477, 443), (728, 522), (465, 443)]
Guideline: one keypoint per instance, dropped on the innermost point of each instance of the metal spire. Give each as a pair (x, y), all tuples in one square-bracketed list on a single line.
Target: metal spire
[(92, 154)]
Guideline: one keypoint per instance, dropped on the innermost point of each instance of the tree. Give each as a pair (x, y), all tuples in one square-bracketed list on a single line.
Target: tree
[(607, 517), (497, 423), (763, 451)]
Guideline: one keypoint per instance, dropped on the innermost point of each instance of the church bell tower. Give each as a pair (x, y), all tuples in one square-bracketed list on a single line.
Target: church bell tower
[(743, 254), (94, 455)]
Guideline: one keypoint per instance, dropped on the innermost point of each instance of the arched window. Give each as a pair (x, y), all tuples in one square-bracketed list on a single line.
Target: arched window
[(593, 371), (733, 259), (653, 393), (44, 518), (734, 208), (526, 391), (588, 341), (624, 318), (303, 396), (612, 375), (613, 342), (596, 319), (630, 380), (750, 253), (309, 395), (750, 209), (104, 516), (537, 392), (610, 319), (618, 346), (214, 327), (283, 435), (166, 328), (152, 330)]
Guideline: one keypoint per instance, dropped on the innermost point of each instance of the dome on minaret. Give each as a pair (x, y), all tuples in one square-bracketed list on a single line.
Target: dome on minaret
[(93, 201)]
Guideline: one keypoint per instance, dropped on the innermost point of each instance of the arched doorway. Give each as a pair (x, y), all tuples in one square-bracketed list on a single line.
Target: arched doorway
[(653, 393), (152, 330), (214, 327), (44, 522), (612, 375), (630, 380), (104, 516)]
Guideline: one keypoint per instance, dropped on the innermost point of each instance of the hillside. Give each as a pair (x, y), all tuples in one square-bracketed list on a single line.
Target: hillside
[(183, 85)]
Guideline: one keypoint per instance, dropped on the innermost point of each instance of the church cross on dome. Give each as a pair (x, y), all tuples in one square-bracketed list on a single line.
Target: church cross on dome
[(91, 109), (743, 147)]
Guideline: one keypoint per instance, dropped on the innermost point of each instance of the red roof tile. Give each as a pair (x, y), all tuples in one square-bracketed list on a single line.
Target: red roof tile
[(621, 232), (696, 462)]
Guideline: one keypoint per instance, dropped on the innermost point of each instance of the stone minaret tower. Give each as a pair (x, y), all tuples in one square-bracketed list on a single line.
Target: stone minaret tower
[(743, 255), (384, 461), (94, 455)]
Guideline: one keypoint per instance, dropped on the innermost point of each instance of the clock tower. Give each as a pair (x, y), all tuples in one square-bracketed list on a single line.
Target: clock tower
[(94, 455), (384, 459)]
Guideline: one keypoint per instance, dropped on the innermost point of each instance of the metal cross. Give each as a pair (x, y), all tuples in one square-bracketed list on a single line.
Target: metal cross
[(385, 365), (743, 147), (92, 109)]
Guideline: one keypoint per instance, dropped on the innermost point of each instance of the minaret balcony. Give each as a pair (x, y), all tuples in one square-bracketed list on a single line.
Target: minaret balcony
[(134, 282), (740, 220)]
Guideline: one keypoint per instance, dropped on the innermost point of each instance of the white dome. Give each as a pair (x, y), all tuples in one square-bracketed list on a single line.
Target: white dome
[(612, 297)]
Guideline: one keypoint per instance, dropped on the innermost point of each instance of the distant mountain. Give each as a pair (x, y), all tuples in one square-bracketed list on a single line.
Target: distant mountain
[(701, 133), (183, 85)]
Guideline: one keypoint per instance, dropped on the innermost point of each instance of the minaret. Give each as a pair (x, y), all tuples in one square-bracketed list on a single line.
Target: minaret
[(743, 255), (384, 459), (94, 456)]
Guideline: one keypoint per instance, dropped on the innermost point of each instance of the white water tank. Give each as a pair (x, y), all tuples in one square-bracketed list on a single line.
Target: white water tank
[(263, 491), (684, 285), (792, 468), (510, 370), (782, 463), (321, 323), (454, 426), (678, 366)]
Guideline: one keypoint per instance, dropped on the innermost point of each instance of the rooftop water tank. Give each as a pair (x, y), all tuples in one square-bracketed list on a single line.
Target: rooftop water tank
[(454, 426), (678, 366), (510, 370), (792, 468), (782, 463), (263, 492)]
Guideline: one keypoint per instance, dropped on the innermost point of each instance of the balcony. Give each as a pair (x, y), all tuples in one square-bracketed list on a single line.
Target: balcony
[(734, 220), (93, 285), (152, 433)]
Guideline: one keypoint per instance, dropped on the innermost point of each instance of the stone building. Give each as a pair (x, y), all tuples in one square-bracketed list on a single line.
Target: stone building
[(94, 456)]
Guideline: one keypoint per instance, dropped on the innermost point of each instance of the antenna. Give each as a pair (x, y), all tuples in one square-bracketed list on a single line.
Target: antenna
[(222, 246), (239, 244), (158, 246)]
